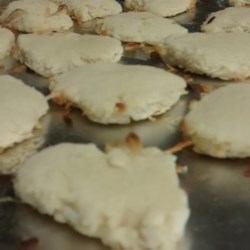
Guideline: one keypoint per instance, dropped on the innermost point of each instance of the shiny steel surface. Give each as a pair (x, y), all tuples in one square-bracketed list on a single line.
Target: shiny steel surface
[(218, 189)]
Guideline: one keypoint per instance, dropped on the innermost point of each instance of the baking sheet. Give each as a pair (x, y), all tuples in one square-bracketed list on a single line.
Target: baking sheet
[(217, 189)]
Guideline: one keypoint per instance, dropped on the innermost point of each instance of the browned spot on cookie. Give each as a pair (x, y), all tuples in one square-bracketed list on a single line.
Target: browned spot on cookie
[(120, 106), (60, 100), (104, 33), (133, 140)]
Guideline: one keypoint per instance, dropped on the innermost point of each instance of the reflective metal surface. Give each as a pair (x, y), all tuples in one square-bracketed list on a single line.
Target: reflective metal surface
[(218, 189)]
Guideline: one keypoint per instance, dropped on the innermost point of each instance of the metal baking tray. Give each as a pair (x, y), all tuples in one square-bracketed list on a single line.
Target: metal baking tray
[(217, 189)]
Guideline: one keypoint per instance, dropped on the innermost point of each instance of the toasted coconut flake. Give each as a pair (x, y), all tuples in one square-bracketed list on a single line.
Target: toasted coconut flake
[(17, 69), (180, 146), (132, 46)]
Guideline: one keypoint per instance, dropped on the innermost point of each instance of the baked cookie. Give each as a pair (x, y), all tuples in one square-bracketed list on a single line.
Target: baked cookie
[(86, 10), (21, 109), (129, 197), (218, 55), (219, 124), (140, 27), (36, 16), (128, 92), (53, 54), (232, 19), (162, 8)]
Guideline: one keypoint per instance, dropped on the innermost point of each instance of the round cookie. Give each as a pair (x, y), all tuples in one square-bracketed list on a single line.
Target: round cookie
[(36, 16), (233, 19), (122, 177), (218, 55), (115, 93), (141, 27), (53, 54), (162, 8), (219, 124)]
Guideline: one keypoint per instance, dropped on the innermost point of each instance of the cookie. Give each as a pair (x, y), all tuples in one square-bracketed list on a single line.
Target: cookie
[(21, 109), (162, 8), (232, 19), (129, 197), (114, 93), (36, 16), (49, 55), (86, 10), (140, 27), (219, 124), (218, 55)]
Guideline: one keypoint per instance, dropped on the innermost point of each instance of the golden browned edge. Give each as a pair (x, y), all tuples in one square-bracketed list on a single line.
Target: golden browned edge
[(131, 46)]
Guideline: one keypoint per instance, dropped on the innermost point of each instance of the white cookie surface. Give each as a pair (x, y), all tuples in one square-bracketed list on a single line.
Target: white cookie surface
[(21, 107), (162, 8), (115, 93), (245, 3), (141, 27), (219, 124), (218, 55), (7, 41), (53, 54), (86, 10), (129, 198), (232, 19), (36, 16)]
